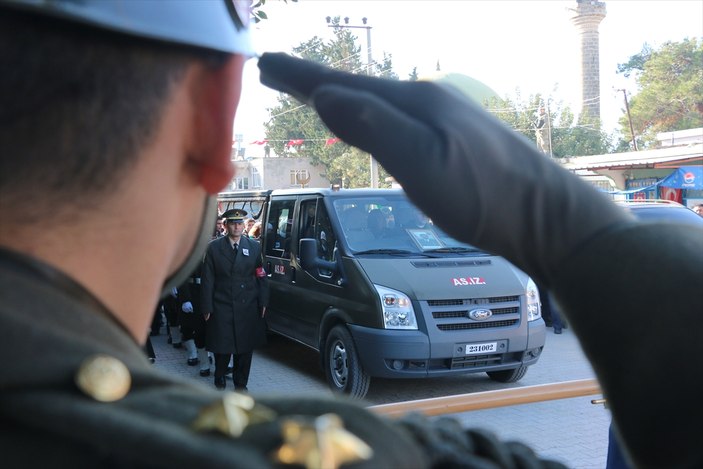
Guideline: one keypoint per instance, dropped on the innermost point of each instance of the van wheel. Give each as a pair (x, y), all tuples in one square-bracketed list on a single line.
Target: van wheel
[(507, 376), (342, 366)]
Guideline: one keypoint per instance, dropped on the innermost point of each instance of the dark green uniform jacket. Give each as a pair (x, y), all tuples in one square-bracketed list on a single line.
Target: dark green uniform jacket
[(51, 326), (233, 295)]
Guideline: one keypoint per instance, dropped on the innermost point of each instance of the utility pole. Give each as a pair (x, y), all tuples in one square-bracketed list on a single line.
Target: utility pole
[(549, 129), (629, 119), (373, 164)]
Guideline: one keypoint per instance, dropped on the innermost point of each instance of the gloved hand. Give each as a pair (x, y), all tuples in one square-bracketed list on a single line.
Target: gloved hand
[(478, 180), (187, 307)]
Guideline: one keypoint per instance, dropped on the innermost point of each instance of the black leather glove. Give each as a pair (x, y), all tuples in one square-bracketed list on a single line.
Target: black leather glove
[(479, 180)]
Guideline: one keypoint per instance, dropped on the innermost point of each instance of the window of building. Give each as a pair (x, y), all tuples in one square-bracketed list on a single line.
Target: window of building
[(255, 179), (240, 183), (299, 177)]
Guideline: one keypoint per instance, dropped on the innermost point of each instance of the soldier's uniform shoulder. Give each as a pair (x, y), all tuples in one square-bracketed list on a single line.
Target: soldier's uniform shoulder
[(136, 420)]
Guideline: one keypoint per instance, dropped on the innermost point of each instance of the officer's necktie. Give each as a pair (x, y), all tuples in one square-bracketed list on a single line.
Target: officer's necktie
[(235, 246)]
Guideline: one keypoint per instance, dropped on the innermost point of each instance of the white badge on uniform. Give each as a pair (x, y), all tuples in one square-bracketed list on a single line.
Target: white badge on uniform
[(245, 251)]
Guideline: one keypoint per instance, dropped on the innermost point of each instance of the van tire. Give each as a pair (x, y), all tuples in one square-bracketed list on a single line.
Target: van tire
[(342, 366), (507, 376)]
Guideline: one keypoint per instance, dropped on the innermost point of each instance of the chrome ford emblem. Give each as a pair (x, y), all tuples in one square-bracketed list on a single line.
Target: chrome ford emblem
[(480, 314)]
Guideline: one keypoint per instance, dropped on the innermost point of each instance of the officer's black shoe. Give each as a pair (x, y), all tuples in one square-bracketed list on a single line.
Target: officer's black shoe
[(220, 382), (193, 361), (178, 345), (204, 372)]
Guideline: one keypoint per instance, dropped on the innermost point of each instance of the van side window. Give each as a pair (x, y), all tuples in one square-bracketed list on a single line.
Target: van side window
[(307, 218), (315, 224), (279, 226), (326, 240)]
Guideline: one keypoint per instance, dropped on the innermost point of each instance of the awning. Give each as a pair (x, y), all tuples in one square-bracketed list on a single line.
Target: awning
[(685, 177)]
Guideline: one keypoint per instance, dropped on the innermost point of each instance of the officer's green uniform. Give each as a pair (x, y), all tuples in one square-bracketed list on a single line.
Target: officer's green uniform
[(79, 392)]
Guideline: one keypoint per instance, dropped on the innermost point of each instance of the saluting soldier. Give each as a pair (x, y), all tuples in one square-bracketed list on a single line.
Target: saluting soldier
[(134, 102), (234, 296)]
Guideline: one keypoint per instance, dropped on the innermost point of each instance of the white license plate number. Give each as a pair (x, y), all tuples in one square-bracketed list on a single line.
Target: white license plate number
[(488, 347)]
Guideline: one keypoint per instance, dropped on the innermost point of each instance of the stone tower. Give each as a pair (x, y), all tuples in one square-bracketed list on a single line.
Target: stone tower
[(586, 17)]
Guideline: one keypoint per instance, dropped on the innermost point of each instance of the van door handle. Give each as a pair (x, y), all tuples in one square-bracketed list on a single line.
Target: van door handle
[(269, 272), (292, 275)]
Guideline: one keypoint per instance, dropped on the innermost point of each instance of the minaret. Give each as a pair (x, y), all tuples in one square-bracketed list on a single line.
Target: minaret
[(586, 17)]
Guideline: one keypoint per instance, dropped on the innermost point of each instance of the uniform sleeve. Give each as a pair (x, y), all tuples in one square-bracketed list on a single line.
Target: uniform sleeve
[(634, 297), (207, 285), (184, 293), (262, 280)]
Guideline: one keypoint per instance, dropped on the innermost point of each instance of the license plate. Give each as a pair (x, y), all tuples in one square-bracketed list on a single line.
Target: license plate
[(488, 347)]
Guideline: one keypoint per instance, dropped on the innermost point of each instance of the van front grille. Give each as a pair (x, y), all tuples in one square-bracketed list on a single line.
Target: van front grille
[(474, 301), (454, 314), (473, 361), (475, 325)]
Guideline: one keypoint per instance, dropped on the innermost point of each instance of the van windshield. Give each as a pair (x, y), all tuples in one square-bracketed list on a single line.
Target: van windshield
[(392, 224)]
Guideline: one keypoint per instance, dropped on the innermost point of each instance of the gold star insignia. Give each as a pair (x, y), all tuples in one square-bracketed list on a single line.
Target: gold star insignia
[(322, 444), (232, 414), (104, 378)]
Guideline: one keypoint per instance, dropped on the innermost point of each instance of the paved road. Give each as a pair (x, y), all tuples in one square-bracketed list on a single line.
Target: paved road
[(573, 431)]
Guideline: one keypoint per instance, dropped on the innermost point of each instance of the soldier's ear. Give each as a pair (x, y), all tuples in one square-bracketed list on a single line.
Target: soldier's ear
[(215, 95)]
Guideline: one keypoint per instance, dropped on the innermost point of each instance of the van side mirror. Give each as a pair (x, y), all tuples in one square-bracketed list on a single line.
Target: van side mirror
[(308, 257)]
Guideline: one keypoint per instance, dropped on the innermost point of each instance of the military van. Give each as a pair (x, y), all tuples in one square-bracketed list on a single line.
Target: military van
[(367, 280)]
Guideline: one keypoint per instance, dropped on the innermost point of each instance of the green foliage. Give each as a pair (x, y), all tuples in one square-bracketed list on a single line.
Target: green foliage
[(670, 95), (292, 120), (636, 62), (351, 169), (257, 14), (581, 138), (385, 68), (568, 137)]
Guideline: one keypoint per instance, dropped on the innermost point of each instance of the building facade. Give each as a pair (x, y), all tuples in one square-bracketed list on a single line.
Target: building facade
[(276, 173)]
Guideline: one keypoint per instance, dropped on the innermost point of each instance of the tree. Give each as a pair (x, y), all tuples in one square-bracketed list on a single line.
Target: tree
[(566, 136), (295, 129), (670, 96), (351, 169), (257, 12)]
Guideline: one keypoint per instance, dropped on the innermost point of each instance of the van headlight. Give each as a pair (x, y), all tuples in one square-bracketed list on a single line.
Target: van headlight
[(398, 312), (534, 309)]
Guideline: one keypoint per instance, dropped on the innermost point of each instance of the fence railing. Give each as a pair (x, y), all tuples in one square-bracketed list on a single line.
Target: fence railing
[(492, 399)]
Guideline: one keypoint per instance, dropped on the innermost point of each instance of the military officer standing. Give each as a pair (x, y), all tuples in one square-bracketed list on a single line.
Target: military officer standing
[(234, 297)]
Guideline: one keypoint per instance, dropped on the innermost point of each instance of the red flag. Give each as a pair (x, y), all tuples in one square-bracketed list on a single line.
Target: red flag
[(331, 141)]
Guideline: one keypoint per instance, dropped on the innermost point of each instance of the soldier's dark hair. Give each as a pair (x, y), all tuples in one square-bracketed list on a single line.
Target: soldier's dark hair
[(76, 105)]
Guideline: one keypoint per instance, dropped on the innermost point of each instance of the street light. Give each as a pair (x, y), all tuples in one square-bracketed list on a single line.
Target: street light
[(365, 26), (372, 162)]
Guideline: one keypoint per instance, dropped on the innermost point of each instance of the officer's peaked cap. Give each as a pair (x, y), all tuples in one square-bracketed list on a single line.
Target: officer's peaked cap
[(235, 214)]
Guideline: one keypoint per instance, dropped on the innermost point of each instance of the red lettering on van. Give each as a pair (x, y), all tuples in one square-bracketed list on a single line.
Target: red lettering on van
[(461, 281)]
